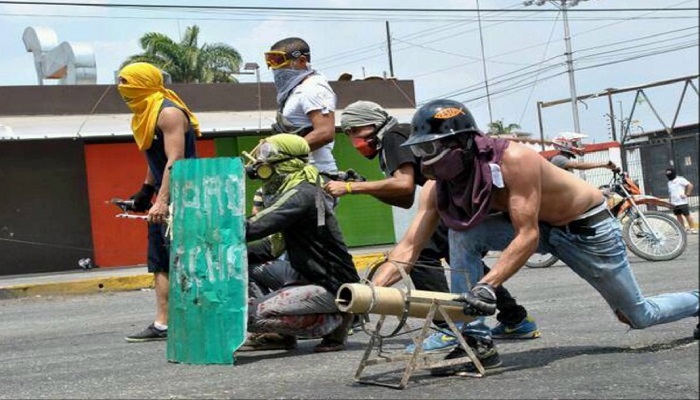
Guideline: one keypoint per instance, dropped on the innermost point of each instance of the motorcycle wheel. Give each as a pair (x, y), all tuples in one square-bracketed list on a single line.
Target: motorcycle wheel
[(538, 260), (672, 238)]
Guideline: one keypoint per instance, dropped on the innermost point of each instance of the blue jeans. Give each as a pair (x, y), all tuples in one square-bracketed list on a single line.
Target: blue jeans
[(600, 259)]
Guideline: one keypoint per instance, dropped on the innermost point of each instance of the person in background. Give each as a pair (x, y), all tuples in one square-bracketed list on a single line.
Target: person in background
[(165, 131), (678, 191), (569, 148)]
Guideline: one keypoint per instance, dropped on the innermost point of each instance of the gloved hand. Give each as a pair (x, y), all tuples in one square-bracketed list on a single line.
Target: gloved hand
[(142, 198), (481, 300)]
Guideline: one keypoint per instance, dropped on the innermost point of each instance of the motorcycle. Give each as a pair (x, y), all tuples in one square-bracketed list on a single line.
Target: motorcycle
[(652, 235)]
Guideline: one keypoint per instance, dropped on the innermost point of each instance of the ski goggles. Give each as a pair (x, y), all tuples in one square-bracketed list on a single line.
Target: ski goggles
[(276, 59), (427, 149), (264, 151)]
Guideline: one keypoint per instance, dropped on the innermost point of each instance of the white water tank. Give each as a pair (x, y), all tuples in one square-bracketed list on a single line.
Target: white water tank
[(70, 63)]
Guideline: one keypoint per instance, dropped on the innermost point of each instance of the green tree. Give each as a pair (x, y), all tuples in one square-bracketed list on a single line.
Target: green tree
[(497, 128), (185, 61)]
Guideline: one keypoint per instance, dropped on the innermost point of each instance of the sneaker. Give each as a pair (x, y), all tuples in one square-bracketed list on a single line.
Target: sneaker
[(484, 350), (692, 231), (526, 329), (150, 334), (696, 332), (357, 323), (436, 342), (335, 341), (268, 341)]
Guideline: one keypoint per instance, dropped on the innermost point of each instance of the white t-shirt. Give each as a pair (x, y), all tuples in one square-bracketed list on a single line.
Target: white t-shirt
[(676, 191), (313, 94)]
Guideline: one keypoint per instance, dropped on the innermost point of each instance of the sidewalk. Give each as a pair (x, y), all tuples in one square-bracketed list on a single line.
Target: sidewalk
[(116, 279)]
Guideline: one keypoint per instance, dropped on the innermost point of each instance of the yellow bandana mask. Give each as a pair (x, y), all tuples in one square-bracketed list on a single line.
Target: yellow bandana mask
[(143, 92)]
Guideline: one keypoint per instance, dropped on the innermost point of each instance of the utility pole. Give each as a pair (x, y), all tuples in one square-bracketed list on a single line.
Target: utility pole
[(570, 66), (388, 46), (564, 6)]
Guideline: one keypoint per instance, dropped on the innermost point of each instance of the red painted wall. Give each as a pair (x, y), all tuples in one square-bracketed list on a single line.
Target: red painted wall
[(118, 170)]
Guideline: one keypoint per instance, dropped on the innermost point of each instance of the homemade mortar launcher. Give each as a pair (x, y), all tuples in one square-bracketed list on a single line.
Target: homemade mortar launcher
[(365, 298)]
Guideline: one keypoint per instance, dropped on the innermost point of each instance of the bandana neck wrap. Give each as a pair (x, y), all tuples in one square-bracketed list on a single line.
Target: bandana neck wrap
[(144, 94), (464, 200), (286, 79)]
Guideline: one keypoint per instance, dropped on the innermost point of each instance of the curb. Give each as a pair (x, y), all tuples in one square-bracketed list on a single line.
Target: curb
[(81, 286), (122, 283)]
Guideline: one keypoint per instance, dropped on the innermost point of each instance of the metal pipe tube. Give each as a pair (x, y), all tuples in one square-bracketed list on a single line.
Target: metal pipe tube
[(358, 298)]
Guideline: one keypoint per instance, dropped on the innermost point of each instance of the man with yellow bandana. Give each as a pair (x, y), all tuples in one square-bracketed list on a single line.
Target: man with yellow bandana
[(295, 297), (164, 130)]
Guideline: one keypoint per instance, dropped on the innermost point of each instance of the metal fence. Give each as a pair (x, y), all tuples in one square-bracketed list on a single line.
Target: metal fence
[(646, 162)]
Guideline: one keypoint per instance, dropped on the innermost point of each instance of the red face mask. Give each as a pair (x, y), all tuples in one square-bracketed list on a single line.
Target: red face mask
[(366, 146)]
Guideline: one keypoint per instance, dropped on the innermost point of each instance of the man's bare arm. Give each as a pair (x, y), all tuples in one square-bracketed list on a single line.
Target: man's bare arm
[(523, 178), (397, 190), (323, 129), (414, 240), (591, 165), (173, 123)]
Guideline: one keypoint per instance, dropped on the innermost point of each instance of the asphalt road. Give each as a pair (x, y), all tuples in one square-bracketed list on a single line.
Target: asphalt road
[(73, 347)]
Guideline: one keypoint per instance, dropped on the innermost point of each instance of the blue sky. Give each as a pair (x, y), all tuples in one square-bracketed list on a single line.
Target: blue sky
[(441, 52)]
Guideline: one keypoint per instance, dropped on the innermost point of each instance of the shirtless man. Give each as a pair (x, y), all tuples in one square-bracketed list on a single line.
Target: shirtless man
[(542, 208)]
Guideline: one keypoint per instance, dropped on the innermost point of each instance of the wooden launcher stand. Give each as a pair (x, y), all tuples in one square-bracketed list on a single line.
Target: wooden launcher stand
[(416, 303)]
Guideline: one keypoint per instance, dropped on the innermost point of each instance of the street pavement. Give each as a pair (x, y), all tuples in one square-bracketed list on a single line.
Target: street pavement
[(58, 346)]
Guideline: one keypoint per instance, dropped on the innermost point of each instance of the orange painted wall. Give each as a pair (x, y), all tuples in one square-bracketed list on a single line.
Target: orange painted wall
[(118, 170)]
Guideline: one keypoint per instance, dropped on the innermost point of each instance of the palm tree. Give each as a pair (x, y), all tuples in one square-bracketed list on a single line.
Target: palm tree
[(187, 63), (497, 128)]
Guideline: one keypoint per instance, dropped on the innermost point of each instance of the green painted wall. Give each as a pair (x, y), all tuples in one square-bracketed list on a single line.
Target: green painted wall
[(365, 221)]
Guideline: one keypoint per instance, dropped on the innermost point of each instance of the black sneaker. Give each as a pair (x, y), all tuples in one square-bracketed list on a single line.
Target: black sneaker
[(150, 334), (358, 321), (696, 332), (484, 350)]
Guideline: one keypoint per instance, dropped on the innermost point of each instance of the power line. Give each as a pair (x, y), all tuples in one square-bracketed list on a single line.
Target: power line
[(320, 9), (638, 38), (262, 17), (532, 88), (517, 85), (536, 81), (618, 52)]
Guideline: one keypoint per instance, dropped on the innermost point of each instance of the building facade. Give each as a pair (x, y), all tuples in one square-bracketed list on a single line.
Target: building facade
[(65, 151)]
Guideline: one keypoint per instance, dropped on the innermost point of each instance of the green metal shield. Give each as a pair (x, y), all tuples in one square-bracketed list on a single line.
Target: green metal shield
[(208, 258)]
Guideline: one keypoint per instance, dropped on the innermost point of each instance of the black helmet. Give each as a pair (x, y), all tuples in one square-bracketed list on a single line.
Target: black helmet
[(439, 119)]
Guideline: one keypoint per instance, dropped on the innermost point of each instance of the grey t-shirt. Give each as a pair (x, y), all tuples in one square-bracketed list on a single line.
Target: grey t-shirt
[(560, 161)]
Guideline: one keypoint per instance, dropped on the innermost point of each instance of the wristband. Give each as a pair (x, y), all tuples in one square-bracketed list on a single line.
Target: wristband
[(348, 187)]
